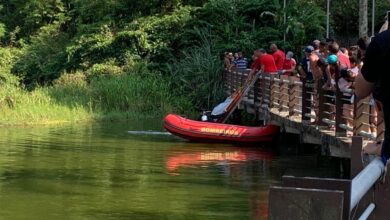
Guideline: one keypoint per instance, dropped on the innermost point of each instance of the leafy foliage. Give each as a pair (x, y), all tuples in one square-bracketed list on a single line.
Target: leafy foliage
[(247, 25), (298, 30), (43, 59), (2, 30), (8, 56), (198, 74), (178, 42)]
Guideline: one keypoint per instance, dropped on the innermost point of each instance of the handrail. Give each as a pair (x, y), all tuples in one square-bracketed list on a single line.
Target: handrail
[(370, 208), (311, 102), (365, 180)]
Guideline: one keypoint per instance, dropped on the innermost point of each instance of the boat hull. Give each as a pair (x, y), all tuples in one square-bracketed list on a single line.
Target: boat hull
[(197, 131)]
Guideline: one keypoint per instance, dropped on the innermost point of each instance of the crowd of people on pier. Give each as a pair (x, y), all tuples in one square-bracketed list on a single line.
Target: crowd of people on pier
[(356, 72)]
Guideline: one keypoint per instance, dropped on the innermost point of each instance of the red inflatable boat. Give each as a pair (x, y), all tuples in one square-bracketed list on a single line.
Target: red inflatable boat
[(198, 131)]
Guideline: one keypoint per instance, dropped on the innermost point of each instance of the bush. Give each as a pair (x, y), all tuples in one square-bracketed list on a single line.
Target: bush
[(7, 58), (44, 58), (132, 93), (71, 79), (2, 30), (198, 75), (107, 68)]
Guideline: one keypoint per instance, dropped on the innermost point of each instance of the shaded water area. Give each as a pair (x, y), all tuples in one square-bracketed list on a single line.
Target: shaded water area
[(100, 171)]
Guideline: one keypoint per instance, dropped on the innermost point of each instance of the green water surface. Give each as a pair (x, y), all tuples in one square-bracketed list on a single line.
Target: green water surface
[(99, 171)]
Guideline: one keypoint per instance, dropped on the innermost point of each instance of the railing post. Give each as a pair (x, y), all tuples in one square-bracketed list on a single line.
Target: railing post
[(275, 90), (242, 78), (321, 104), (236, 79), (306, 104), (380, 126), (255, 98), (284, 94), (231, 79), (293, 95), (361, 116), (263, 88), (339, 113), (272, 96), (226, 80)]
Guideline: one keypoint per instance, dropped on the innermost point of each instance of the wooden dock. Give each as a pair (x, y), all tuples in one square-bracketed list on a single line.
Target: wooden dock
[(307, 110), (324, 118)]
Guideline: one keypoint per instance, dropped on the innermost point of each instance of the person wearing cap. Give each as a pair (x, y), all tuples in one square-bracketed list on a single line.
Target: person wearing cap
[(331, 69), (333, 64), (304, 69), (332, 59), (278, 55), (264, 62), (289, 64), (307, 77), (315, 58)]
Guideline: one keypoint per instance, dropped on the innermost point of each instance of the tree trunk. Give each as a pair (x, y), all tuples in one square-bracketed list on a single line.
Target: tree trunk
[(363, 18)]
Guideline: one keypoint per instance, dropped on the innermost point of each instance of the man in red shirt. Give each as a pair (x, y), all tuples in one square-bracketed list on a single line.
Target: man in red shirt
[(264, 62), (278, 55)]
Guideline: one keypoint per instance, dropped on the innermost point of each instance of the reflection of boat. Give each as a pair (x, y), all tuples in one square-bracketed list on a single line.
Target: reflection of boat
[(175, 161), (215, 132)]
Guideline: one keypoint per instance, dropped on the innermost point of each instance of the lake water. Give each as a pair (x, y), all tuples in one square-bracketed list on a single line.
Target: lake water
[(100, 171)]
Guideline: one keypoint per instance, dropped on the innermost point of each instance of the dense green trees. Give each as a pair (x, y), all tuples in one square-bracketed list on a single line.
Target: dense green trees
[(180, 41)]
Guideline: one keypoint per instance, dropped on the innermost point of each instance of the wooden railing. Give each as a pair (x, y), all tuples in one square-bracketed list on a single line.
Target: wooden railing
[(289, 98), (310, 103)]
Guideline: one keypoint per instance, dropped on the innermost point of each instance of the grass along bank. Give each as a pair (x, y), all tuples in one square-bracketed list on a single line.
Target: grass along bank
[(72, 98)]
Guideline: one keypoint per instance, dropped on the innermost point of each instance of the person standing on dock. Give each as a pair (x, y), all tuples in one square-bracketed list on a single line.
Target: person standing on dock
[(278, 55), (264, 62), (241, 62), (372, 80), (289, 64)]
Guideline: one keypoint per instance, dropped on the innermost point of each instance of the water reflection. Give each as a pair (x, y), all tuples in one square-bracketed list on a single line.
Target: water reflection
[(242, 167), (221, 156)]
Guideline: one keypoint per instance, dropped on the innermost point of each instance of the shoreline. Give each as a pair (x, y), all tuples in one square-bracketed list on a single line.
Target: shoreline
[(109, 117)]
